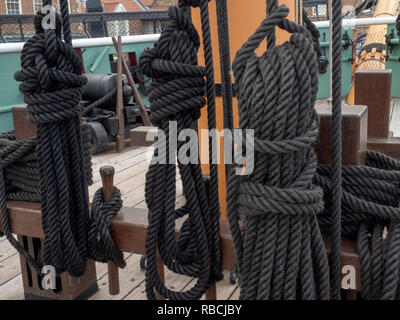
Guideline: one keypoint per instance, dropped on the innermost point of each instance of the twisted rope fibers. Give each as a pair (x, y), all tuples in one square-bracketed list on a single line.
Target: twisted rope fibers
[(336, 194), (19, 160), (279, 251), (52, 86), (370, 214), (177, 94)]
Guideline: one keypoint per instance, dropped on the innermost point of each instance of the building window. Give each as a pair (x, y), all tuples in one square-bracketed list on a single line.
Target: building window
[(37, 5), (321, 10), (13, 6)]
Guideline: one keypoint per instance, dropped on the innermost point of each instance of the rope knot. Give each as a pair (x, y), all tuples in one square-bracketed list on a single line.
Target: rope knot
[(51, 76), (180, 81)]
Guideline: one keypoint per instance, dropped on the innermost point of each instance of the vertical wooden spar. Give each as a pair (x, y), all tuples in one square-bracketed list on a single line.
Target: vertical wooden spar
[(252, 13), (120, 140)]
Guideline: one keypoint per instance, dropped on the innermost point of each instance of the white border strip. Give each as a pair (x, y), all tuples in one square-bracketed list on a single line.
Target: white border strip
[(86, 43), (359, 22)]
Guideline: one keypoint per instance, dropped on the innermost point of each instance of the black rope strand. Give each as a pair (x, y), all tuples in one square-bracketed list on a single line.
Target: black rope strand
[(335, 259)]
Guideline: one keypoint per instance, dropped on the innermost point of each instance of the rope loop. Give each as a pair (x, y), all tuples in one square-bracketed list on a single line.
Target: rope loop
[(102, 212)]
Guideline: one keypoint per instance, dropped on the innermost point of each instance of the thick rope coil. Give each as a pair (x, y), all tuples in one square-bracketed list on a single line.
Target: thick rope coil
[(279, 250), (21, 169), (371, 214), (177, 94), (52, 85)]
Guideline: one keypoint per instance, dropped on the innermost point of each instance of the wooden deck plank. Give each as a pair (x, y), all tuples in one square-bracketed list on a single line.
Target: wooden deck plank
[(129, 277), (172, 280), (121, 165), (9, 268), (12, 289), (111, 155)]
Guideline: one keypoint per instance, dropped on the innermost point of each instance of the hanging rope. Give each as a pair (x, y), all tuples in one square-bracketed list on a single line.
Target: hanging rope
[(336, 193), (177, 94), (52, 85), (279, 252)]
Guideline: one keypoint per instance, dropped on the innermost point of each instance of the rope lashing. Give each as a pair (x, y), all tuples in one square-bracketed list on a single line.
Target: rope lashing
[(279, 249), (336, 194), (52, 86), (370, 214), (177, 94)]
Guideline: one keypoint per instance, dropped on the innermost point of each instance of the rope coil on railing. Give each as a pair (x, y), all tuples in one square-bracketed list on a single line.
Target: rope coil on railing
[(52, 85), (177, 94), (279, 251)]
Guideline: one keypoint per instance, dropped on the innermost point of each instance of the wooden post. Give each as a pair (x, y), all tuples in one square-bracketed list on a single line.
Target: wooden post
[(120, 140), (160, 270), (354, 138), (372, 89), (107, 178), (143, 112)]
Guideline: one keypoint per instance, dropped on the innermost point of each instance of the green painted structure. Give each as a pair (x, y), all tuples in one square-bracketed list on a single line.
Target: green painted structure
[(347, 62), (393, 60), (96, 60)]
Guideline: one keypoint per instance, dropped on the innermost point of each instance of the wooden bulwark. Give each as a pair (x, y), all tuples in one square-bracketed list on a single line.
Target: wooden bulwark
[(129, 227)]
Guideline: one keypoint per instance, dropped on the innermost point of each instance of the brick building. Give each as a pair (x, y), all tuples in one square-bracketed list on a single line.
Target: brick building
[(319, 11), (32, 6)]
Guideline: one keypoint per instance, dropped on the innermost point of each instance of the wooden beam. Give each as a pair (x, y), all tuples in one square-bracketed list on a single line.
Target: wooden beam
[(129, 228)]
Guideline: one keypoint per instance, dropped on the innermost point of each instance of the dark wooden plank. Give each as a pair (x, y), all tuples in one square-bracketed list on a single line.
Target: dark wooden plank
[(372, 88), (389, 146), (354, 134)]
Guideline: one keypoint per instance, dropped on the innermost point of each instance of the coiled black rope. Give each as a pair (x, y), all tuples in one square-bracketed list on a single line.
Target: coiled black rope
[(21, 169), (52, 85), (177, 94), (279, 251), (370, 214)]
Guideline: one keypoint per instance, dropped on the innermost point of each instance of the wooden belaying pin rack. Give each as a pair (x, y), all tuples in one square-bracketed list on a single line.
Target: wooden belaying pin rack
[(129, 227)]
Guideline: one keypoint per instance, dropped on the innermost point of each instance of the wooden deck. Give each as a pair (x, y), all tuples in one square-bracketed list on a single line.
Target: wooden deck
[(130, 167)]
